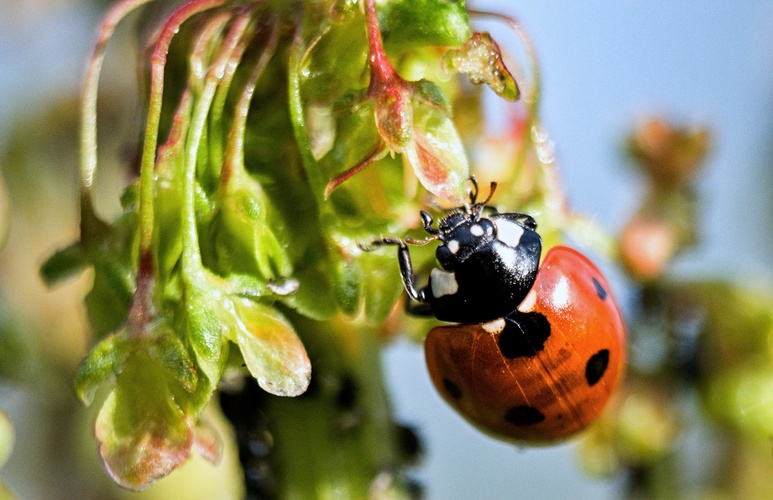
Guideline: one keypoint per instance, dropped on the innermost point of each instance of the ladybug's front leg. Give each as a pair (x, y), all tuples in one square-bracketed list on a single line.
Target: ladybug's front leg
[(406, 267)]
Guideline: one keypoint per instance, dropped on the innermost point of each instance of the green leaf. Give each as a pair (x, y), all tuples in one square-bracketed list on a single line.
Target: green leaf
[(202, 310), (245, 242), (383, 285), (412, 24), (63, 264), (431, 94), (164, 347), (168, 238), (111, 294), (356, 137), (245, 285), (143, 435), (298, 116), (168, 197), (201, 321), (107, 359), (348, 285), (350, 102), (326, 76), (271, 349), (437, 154), (315, 297)]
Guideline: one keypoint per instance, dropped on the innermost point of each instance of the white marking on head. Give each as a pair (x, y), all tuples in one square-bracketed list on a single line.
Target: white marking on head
[(529, 302), (443, 283), (453, 246), (508, 232), (495, 326), (476, 230)]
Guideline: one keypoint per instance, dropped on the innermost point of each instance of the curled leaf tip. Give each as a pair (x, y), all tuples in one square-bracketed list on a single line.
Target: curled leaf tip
[(481, 60), (271, 349)]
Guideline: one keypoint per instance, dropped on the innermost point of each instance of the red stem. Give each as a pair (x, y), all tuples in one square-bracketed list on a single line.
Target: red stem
[(141, 311), (382, 72), (378, 152)]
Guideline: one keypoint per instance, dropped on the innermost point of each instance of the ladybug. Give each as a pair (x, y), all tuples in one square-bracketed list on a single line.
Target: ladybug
[(538, 349)]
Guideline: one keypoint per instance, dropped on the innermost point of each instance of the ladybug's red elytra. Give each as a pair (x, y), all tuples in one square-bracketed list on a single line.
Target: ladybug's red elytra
[(538, 350)]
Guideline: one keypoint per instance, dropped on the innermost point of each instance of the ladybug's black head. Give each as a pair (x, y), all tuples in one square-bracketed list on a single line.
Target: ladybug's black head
[(463, 239), (451, 221), (463, 231)]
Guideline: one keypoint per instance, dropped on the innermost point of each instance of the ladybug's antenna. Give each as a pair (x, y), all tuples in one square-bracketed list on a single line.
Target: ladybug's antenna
[(473, 192), (490, 194), (477, 208)]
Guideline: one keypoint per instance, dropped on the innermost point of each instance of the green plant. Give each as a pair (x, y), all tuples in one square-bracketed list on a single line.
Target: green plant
[(240, 229)]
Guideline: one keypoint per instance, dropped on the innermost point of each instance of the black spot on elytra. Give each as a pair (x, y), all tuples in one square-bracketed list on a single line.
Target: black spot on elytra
[(524, 415), (599, 289), (596, 367), (524, 334), (452, 389)]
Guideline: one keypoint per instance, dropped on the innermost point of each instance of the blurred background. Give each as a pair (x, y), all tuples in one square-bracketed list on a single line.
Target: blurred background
[(605, 66)]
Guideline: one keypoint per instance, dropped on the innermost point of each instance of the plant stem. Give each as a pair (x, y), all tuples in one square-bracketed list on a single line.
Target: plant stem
[(191, 255), (328, 446), (88, 125), (298, 117), (158, 63), (382, 73), (234, 153), (216, 139)]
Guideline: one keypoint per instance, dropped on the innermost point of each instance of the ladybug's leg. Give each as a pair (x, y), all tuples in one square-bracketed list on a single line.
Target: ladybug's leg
[(418, 307), (406, 268)]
